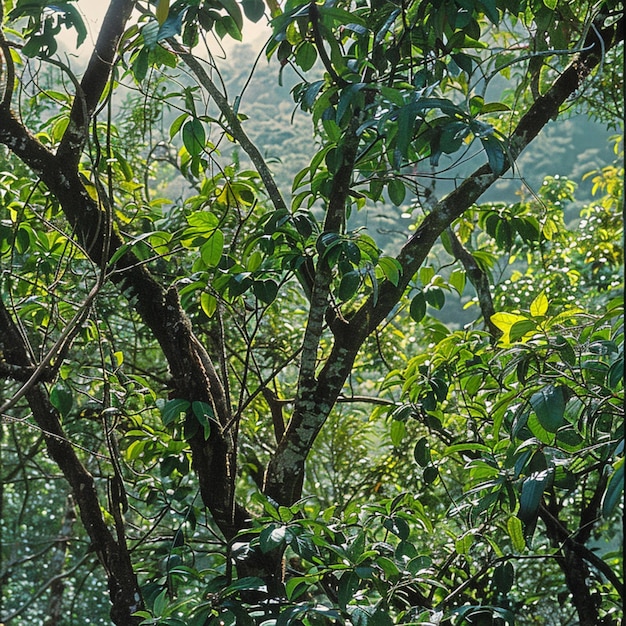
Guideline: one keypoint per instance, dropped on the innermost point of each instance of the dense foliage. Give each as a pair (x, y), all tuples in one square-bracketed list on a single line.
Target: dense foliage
[(232, 393)]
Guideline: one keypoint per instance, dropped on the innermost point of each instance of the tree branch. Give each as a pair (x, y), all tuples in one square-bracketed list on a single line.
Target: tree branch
[(123, 585), (314, 399), (94, 80), (235, 128), (286, 469), (194, 377), (545, 108), (479, 280)]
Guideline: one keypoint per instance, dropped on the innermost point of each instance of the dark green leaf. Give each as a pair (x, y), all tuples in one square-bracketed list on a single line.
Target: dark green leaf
[(273, 537), (194, 137), (616, 372), (503, 577), (549, 406), (614, 489), (265, 290), (533, 488), (421, 452), (519, 329), (396, 191), (253, 9), (349, 285), (306, 55), (62, 399), (495, 154), (204, 414), (430, 474), (173, 409), (398, 526), (417, 309), (435, 297), (348, 584)]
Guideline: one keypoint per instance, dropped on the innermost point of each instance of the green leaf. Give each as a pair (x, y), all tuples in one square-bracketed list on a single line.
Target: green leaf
[(491, 11), (140, 64), (503, 577), (421, 452), (234, 11), (514, 529), (211, 250), (160, 603), (614, 489), (457, 280), (495, 154), (272, 537), (398, 526), (62, 399), (391, 269), (616, 372), (463, 544), (537, 430), (203, 412), (265, 290), (417, 310), (306, 55), (296, 586), (349, 286), (521, 328), (539, 306), (398, 431), (173, 409), (533, 488), (435, 297), (253, 9), (248, 583), (430, 474), (549, 406), (194, 137), (396, 191), (504, 321)]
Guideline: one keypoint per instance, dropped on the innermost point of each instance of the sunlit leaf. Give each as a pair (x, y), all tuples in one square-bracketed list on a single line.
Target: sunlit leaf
[(539, 306)]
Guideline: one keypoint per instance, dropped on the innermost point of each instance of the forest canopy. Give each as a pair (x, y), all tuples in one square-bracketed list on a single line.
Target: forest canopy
[(352, 354)]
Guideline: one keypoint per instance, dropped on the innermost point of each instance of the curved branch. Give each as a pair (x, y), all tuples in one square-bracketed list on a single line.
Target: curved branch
[(479, 280), (286, 468), (95, 79), (457, 202), (194, 377), (306, 272), (123, 585), (234, 124)]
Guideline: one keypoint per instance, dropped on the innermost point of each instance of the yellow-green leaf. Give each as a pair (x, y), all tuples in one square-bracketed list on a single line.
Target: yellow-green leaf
[(539, 306), (208, 303), (162, 11), (505, 321)]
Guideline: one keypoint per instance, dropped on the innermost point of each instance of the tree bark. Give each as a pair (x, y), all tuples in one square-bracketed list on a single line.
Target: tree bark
[(194, 378), (57, 565), (286, 469), (124, 589)]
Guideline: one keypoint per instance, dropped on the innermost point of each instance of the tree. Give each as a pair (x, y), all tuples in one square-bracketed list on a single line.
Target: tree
[(212, 337)]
